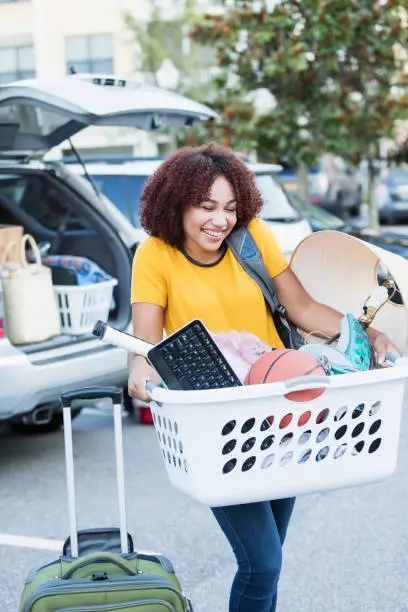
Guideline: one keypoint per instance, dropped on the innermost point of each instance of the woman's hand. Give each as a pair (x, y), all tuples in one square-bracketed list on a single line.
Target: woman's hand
[(140, 372), (381, 345)]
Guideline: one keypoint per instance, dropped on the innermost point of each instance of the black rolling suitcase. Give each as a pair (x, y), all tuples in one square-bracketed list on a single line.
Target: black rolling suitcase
[(99, 571)]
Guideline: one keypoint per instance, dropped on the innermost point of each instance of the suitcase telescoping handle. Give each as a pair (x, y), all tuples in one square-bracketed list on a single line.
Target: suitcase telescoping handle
[(94, 393)]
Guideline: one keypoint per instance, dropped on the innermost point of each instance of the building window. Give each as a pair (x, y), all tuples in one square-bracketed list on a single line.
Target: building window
[(89, 53), (16, 63)]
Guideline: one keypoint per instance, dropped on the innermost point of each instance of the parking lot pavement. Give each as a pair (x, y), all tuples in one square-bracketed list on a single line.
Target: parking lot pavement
[(345, 552)]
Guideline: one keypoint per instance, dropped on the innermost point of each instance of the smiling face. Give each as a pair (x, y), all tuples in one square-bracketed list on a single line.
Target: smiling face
[(208, 224)]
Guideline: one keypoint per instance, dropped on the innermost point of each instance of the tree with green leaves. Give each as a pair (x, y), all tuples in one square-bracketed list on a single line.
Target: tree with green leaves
[(333, 72)]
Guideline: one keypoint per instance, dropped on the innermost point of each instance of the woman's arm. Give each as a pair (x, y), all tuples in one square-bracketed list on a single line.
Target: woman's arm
[(148, 321), (147, 325), (311, 316), (302, 309)]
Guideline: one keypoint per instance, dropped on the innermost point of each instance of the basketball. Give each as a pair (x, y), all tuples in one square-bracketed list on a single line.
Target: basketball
[(283, 364)]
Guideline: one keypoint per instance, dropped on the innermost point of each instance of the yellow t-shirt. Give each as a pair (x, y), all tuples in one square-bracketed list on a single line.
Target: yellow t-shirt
[(222, 295)]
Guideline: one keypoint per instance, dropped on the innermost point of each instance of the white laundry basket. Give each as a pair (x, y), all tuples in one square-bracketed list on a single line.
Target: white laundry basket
[(80, 306), (226, 446)]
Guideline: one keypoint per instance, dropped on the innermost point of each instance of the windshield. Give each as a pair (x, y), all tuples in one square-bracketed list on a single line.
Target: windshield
[(277, 206), (318, 218)]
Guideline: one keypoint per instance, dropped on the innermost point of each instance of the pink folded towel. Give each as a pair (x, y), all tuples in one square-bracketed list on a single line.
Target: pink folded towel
[(241, 349)]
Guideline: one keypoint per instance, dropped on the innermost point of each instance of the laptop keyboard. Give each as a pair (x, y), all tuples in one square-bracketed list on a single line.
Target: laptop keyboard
[(190, 359)]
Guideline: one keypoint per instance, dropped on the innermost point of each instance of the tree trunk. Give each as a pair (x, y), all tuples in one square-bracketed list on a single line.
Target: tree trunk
[(302, 182), (371, 199)]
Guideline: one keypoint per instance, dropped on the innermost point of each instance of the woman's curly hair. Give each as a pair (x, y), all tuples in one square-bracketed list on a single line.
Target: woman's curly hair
[(184, 179)]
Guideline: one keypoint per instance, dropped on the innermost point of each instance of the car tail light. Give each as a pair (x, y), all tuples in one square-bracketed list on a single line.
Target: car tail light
[(146, 416)]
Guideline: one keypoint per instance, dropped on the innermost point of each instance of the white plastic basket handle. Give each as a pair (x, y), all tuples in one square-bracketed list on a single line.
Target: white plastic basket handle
[(301, 383), (28, 238)]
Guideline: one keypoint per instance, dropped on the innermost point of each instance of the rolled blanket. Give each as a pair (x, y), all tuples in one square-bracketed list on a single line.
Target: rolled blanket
[(87, 272)]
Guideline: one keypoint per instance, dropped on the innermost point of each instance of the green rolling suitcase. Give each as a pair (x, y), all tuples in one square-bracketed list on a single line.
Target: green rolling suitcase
[(99, 571)]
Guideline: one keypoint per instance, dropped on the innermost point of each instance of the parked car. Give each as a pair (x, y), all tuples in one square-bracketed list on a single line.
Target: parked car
[(319, 219), (392, 196), (332, 185), (122, 183), (56, 205)]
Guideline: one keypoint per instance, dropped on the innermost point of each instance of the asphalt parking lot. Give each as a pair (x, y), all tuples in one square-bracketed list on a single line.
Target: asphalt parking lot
[(345, 552)]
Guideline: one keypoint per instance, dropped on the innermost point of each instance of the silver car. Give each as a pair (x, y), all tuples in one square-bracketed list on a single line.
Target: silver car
[(59, 207), (392, 196)]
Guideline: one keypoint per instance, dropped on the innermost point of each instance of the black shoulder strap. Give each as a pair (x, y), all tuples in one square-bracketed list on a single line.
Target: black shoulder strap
[(242, 244)]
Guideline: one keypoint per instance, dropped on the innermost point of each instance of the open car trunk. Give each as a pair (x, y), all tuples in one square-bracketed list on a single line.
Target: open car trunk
[(36, 115), (48, 209)]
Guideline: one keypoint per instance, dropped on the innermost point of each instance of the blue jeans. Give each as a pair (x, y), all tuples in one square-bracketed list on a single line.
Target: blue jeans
[(256, 533)]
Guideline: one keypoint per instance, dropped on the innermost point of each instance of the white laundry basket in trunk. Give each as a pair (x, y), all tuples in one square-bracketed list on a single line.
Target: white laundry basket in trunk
[(228, 446), (80, 306)]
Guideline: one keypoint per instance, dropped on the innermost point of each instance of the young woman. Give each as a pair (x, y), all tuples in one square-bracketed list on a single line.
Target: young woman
[(184, 270)]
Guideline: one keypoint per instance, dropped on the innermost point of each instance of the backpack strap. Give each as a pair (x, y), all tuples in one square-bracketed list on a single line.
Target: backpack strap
[(242, 244)]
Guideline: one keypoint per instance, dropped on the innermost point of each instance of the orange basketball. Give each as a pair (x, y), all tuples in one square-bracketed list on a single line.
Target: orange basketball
[(284, 364)]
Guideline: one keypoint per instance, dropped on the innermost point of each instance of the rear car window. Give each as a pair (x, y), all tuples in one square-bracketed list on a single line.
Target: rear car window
[(125, 191), (12, 187), (44, 203), (30, 120)]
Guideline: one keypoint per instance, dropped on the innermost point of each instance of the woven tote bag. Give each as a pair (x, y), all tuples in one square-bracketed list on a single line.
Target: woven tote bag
[(29, 302)]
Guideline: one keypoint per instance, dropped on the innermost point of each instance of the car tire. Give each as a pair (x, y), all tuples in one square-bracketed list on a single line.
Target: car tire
[(54, 424)]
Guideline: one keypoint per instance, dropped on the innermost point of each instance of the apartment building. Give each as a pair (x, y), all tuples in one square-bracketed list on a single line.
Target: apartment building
[(48, 38)]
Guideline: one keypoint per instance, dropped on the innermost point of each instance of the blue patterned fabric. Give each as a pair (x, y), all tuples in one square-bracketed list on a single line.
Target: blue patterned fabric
[(353, 352), (247, 250), (354, 343)]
